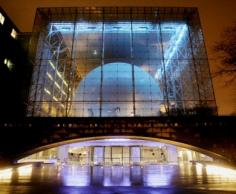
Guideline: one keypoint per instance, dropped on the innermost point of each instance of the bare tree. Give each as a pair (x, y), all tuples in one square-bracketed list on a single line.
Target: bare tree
[(226, 49)]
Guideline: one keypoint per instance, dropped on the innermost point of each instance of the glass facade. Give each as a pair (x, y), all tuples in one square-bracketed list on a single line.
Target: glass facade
[(109, 62)]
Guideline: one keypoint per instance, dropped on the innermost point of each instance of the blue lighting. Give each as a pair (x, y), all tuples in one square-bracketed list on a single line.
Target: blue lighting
[(116, 27), (175, 43)]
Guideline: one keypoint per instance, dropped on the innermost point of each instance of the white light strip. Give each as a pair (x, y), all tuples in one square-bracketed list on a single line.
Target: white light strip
[(59, 75), (63, 92), (170, 53), (54, 98), (52, 65), (57, 72), (49, 76), (118, 27), (47, 91), (57, 85)]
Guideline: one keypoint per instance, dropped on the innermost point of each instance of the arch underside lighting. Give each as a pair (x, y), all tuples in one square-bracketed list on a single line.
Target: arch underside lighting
[(154, 150)]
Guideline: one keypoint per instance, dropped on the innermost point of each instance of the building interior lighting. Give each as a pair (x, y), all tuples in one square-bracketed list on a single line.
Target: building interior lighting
[(2, 18), (9, 64), (221, 171), (162, 108), (13, 33), (25, 170), (6, 173)]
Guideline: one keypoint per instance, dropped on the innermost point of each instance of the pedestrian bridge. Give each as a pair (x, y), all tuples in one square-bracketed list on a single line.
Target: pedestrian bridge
[(214, 135)]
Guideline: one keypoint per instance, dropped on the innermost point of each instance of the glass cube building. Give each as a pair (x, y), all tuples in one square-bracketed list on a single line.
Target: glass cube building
[(118, 62)]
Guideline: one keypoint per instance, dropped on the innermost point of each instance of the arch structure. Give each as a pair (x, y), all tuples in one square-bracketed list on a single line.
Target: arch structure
[(211, 136), (119, 150)]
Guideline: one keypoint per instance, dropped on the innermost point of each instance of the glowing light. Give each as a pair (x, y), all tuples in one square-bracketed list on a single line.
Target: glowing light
[(221, 171), (180, 33), (65, 82), (162, 108), (63, 92), (5, 61), (8, 63), (52, 65), (54, 98), (118, 27), (57, 85), (59, 75), (162, 178), (180, 154), (175, 41), (95, 52), (49, 76), (13, 33), (5, 174), (199, 168), (2, 19), (189, 154), (76, 176), (57, 72), (117, 140), (47, 91), (25, 170)]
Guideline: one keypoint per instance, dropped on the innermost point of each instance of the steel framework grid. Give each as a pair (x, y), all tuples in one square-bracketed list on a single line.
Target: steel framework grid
[(180, 70)]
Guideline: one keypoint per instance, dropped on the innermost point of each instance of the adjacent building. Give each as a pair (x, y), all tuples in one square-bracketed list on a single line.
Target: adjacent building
[(15, 69)]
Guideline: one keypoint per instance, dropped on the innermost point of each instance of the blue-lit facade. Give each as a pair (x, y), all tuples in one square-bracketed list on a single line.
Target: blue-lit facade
[(109, 62)]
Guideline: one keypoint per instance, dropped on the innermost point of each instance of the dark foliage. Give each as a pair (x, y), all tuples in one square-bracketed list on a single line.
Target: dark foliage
[(226, 48)]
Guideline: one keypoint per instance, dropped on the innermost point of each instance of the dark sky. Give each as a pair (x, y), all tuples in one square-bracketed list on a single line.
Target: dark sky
[(215, 16)]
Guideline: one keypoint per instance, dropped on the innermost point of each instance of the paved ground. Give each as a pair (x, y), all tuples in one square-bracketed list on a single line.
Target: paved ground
[(42, 189), (153, 179)]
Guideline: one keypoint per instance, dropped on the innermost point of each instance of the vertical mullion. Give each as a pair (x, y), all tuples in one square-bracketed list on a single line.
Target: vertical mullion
[(132, 62), (163, 61), (71, 61), (103, 54)]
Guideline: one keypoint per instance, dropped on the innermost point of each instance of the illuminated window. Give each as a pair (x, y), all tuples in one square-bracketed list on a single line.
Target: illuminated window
[(2, 19), (13, 33), (9, 64)]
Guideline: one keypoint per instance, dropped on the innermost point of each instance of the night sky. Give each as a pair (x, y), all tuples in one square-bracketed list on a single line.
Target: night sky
[(215, 15)]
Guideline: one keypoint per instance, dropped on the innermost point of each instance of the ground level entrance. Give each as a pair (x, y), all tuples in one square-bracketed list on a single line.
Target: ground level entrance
[(113, 152)]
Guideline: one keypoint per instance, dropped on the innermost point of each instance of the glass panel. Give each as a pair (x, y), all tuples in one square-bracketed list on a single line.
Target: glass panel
[(111, 62)]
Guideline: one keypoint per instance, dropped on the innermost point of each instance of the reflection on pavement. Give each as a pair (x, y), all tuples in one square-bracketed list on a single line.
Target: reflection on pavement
[(151, 179)]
